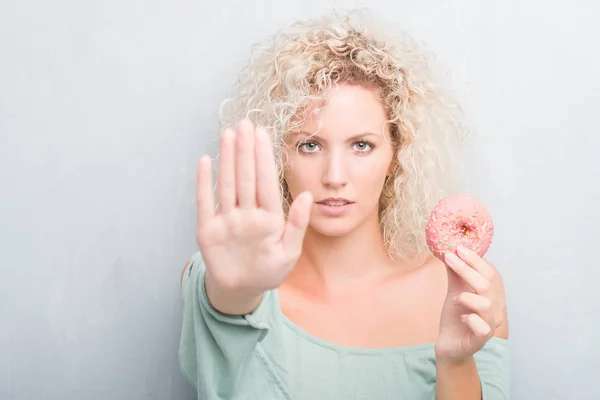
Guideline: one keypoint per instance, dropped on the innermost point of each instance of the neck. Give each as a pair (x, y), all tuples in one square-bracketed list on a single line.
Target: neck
[(343, 261)]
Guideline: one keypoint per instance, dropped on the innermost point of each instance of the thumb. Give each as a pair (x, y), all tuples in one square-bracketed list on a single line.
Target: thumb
[(295, 228)]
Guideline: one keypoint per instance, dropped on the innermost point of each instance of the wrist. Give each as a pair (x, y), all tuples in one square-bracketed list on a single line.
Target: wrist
[(230, 300), (452, 359), (454, 362), (457, 378)]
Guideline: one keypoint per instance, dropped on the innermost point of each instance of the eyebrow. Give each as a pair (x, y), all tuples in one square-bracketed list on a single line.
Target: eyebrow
[(355, 137)]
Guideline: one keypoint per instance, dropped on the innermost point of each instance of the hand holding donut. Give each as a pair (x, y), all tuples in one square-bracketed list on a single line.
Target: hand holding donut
[(459, 232)]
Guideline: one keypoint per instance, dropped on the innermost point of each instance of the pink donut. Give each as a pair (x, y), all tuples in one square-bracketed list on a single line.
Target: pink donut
[(459, 220)]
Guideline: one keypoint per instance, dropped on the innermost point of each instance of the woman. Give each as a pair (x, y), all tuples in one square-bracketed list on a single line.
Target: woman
[(313, 279)]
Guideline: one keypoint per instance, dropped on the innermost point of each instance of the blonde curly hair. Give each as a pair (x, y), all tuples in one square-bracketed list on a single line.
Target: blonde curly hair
[(301, 63)]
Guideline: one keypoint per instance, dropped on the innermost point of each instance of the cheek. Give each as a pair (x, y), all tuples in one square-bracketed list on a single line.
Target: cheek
[(369, 182), (372, 172), (300, 177)]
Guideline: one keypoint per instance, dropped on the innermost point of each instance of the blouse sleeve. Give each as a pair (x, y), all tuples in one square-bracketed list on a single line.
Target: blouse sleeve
[(493, 365), (230, 357)]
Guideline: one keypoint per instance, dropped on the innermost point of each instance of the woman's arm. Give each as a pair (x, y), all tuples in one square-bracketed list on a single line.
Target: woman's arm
[(226, 303), (462, 380), (458, 381), (227, 356)]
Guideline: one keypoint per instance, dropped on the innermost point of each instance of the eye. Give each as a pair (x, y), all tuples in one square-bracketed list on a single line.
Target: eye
[(308, 147), (363, 146)]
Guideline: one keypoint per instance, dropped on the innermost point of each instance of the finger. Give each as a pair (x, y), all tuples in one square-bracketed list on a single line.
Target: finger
[(295, 228), (226, 176), (267, 178), (245, 167), (478, 326), (468, 274), (474, 302), (475, 261), (205, 202)]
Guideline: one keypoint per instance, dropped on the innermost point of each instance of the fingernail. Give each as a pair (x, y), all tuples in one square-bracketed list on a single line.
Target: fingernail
[(307, 198)]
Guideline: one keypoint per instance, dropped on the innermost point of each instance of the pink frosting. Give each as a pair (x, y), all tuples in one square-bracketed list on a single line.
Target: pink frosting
[(459, 220)]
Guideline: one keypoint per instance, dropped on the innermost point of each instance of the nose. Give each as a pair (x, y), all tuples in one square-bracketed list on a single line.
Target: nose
[(335, 172)]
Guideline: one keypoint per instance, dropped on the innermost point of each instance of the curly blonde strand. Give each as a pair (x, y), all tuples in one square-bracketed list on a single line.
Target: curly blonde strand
[(303, 62)]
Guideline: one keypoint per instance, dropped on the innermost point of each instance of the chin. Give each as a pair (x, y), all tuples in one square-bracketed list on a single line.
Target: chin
[(333, 227)]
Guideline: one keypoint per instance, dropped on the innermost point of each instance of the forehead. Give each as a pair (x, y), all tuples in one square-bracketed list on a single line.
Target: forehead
[(347, 110)]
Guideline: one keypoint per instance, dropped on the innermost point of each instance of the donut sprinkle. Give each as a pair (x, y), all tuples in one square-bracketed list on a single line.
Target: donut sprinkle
[(459, 220)]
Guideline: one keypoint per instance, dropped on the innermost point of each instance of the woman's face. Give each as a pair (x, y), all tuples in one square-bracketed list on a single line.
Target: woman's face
[(345, 164)]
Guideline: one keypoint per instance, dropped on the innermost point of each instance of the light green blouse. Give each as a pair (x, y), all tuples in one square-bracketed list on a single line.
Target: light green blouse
[(265, 356)]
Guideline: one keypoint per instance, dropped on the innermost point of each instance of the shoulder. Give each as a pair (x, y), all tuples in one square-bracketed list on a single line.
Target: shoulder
[(183, 271), (195, 259)]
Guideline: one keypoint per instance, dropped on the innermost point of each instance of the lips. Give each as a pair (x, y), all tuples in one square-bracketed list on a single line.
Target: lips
[(334, 202)]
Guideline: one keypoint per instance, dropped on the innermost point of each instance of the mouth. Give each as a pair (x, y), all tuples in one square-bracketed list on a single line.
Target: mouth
[(334, 202)]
